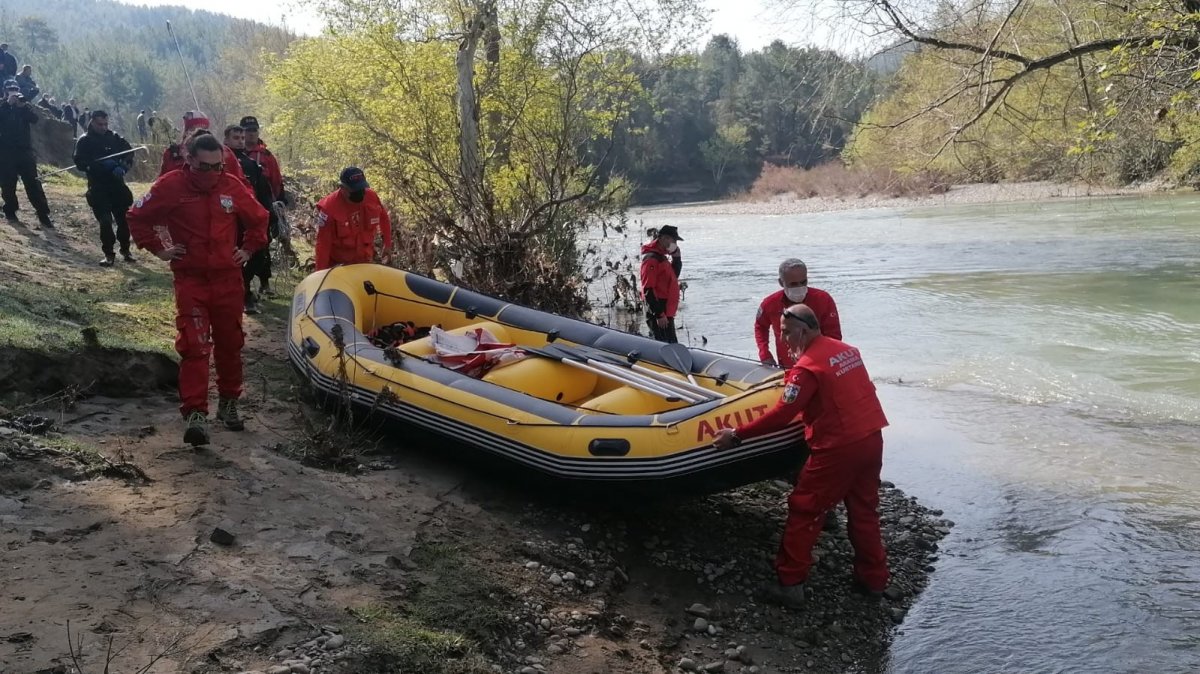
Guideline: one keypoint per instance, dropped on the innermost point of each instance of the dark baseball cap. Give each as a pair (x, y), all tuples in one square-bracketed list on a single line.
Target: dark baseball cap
[(671, 231), (249, 123), (352, 178)]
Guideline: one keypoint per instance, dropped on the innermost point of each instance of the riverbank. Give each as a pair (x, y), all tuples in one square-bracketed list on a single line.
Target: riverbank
[(979, 193), (245, 557)]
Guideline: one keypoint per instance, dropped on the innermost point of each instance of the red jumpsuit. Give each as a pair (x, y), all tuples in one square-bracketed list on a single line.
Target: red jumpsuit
[(771, 308), (346, 230), (208, 281), (173, 158), (270, 164), (829, 386)]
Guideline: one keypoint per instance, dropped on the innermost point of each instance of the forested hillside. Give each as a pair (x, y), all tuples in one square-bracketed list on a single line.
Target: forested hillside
[(122, 58)]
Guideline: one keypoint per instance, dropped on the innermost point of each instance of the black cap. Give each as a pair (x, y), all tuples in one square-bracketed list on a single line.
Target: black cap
[(11, 85), (671, 231), (352, 178), (249, 123)]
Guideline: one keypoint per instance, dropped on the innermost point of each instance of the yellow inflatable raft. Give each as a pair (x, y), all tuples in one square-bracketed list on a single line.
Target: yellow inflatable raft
[(580, 402)]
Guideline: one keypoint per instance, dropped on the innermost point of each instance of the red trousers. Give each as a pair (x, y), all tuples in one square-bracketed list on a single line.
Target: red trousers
[(849, 473), (208, 316)]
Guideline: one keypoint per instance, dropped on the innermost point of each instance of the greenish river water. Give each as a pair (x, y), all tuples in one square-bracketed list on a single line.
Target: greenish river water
[(1040, 364)]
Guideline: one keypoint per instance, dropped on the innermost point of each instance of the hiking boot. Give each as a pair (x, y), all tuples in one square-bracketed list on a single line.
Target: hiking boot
[(44, 219), (791, 596), (128, 256), (861, 588), (196, 433), (109, 260), (251, 304), (227, 413)]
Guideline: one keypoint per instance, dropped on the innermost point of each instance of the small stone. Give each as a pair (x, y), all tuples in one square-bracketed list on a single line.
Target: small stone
[(222, 537), (699, 610), (846, 658), (731, 654), (280, 669), (568, 576), (713, 630), (897, 615), (893, 593), (554, 649), (687, 664), (335, 642), (532, 566), (4, 457), (585, 528), (299, 668), (332, 629), (285, 654), (555, 579), (887, 485), (700, 625), (589, 584), (753, 670), (718, 666), (545, 623), (573, 631), (529, 670)]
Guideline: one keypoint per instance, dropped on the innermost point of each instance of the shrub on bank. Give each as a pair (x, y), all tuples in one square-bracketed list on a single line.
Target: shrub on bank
[(836, 180)]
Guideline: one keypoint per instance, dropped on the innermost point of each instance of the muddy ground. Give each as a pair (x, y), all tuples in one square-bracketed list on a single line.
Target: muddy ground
[(402, 557)]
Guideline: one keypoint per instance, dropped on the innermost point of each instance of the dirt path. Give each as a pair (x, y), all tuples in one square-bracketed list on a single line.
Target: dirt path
[(418, 562)]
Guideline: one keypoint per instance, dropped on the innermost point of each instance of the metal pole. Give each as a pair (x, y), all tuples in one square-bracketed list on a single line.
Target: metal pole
[(184, 66), (110, 156)]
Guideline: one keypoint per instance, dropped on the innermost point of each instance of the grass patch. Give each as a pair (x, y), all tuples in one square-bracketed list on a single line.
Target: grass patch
[(135, 310), (446, 625)]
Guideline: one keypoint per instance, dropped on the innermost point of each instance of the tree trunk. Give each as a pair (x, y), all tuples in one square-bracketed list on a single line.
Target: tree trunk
[(470, 169)]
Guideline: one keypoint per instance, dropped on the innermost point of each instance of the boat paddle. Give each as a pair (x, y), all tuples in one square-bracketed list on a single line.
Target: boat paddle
[(678, 357), (577, 362)]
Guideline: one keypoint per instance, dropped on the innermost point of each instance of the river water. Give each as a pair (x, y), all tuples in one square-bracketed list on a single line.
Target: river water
[(1040, 365)]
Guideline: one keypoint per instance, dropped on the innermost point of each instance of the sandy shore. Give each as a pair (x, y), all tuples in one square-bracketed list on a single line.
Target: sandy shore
[(979, 193)]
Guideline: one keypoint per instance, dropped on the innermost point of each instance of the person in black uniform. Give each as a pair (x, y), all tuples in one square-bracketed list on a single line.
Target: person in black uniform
[(259, 263), (17, 158), (107, 193)]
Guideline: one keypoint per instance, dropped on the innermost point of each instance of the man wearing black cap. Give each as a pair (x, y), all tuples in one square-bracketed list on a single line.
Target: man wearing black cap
[(347, 220), (257, 150), (660, 268), (17, 159), (8, 63), (107, 193)]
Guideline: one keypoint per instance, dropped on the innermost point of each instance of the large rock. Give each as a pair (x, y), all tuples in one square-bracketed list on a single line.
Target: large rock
[(52, 139)]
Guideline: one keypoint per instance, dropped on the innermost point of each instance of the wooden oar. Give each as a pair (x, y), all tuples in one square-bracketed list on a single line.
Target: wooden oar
[(670, 396)]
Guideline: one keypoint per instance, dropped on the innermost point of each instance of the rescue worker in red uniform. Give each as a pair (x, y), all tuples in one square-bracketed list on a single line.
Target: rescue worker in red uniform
[(191, 218), (347, 220), (175, 155), (257, 150), (831, 390), (659, 274), (793, 278)]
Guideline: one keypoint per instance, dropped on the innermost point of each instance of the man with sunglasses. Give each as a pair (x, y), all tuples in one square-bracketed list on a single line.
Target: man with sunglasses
[(794, 289), (191, 217), (843, 421)]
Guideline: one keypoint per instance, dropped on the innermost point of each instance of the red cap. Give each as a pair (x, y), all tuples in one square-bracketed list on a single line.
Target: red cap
[(194, 119)]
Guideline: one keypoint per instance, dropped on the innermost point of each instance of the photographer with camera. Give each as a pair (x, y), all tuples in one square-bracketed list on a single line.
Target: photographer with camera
[(17, 159)]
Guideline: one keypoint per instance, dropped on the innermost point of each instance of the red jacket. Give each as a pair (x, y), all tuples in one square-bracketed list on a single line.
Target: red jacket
[(830, 388), (173, 158), (660, 284), (206, 223), (270, 165), (346, 230), (772, 308)]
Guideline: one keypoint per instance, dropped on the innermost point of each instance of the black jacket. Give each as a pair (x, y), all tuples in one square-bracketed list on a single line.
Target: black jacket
[(91, 146), (258, 178), (14, 126), (9, 66)]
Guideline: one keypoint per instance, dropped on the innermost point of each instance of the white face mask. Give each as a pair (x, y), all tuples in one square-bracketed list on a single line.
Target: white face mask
[(796, 294), (673, 247)]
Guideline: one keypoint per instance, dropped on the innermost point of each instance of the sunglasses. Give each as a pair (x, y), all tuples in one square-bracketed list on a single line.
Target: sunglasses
[(204, 167)]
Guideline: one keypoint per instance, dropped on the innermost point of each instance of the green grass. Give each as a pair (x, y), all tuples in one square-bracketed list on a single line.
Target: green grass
[(444, 625), (135, 310)]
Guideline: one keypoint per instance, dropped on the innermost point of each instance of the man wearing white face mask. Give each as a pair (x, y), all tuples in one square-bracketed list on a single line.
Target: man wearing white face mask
[(793, 278), (661, 263)]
